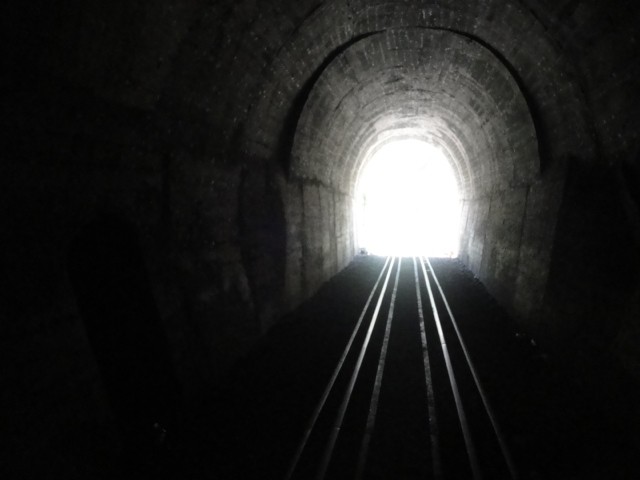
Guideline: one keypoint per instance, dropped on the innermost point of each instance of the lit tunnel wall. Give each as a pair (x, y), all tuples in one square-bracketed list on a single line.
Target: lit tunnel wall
[(420, 73), (445, 89), (228, 136)]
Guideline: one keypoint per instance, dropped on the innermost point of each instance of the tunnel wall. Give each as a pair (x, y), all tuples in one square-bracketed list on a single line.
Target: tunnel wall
[(591, 300), (507, 241), (179, 118), (142, 112), (319, 237), (87, 129)]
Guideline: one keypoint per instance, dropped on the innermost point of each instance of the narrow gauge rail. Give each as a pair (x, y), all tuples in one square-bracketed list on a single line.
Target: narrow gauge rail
[(405, 400)]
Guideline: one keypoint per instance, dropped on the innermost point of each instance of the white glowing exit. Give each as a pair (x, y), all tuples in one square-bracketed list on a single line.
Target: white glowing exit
[(407, 202)]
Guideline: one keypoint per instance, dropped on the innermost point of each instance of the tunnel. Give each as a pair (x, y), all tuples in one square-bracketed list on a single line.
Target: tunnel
[(229, 138)]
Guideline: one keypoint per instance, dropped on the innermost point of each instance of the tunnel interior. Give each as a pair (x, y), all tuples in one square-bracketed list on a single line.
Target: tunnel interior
[(229, 137), (393, 84)]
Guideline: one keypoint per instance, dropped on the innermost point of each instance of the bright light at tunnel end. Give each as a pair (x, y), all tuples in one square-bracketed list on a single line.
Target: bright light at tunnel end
[(407, 202)]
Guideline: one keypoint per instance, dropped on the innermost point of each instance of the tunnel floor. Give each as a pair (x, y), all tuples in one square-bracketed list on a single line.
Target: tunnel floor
[(555, 426)]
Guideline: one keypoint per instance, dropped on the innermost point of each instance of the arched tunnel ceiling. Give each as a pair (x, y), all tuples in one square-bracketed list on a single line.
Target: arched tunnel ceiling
[(451, 89), (497, 43)]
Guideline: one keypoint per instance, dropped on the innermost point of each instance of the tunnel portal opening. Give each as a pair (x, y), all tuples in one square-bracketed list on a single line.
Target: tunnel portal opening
[(407, 201)]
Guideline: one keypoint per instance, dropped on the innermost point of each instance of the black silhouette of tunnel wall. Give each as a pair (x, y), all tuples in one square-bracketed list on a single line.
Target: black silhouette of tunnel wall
[(122, 323)]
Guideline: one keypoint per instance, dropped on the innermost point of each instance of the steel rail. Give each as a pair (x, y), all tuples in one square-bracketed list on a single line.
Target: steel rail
[(433, 420), (485, 400), (462, 417), (326, 459), (375, 394), (332, 380)]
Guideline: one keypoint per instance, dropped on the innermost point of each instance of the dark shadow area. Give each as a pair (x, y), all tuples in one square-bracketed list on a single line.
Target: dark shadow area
[(558, 425), (591, 280), (263, 234), (122, 323)]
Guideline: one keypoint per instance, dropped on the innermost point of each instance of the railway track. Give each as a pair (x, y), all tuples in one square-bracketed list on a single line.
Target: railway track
[(404, 400)]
